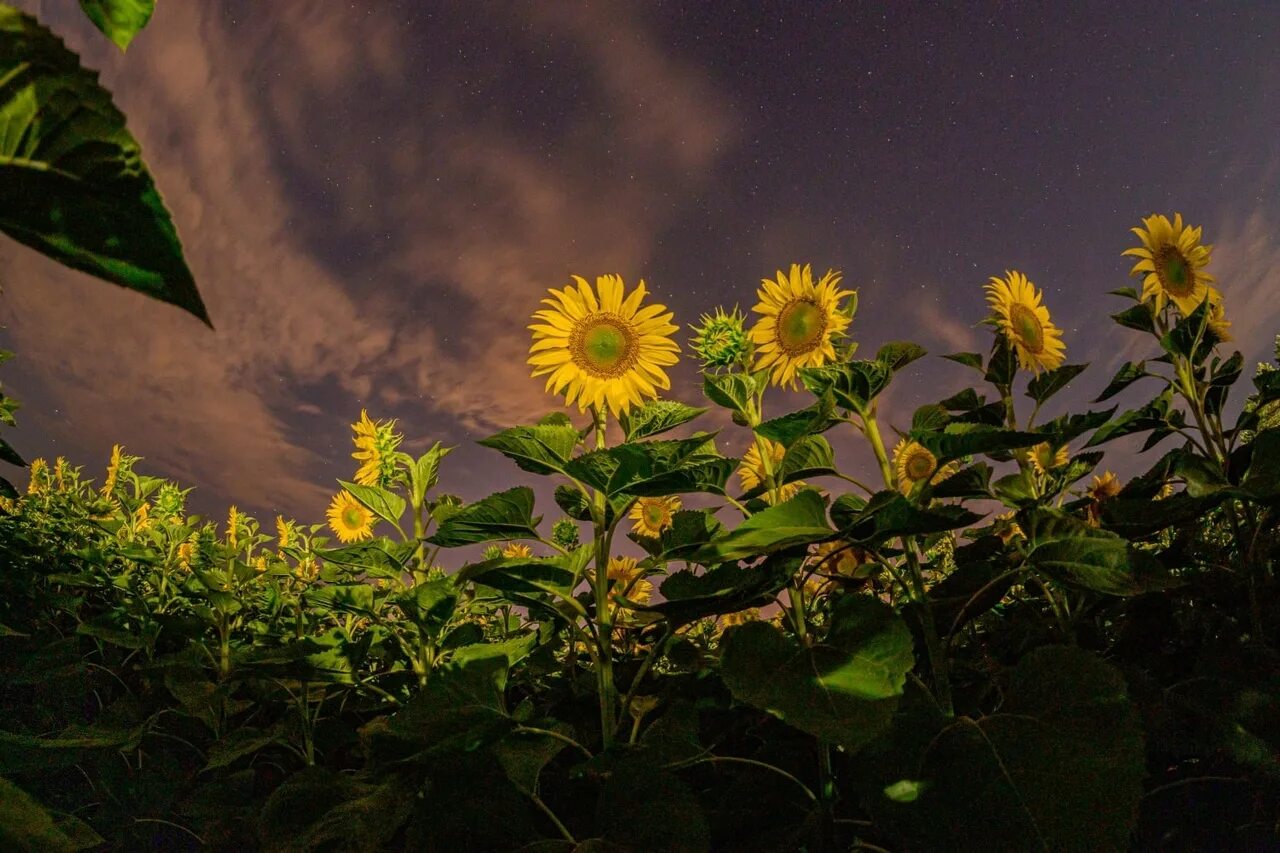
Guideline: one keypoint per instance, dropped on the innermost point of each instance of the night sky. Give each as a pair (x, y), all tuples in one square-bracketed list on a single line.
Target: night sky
[(374, 195)]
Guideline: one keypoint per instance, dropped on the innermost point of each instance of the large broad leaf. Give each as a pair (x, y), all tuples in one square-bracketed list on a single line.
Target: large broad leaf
[(853, 385), (656, 417), (798, 521), (1262, 479), (119, 20), (382, 502), (1060, 767), (689, 595), (540, 449), (790, 428), (26, 827), (655, 468), (1069, 551), (964, 439), (689, 531), (1129, 373), (843, 690), (72, 182), (503, 515), (530, 576), (1044, 386), (898, 354), (888, 515), (810, 456)]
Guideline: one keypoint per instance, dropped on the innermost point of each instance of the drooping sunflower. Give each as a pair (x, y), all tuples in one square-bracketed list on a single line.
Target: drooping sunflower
[(799, 323), (1171, 262), (376, 443), (1218, 322), (234, 519), (284, 532), (600, 348), (628, 581), (752, 471), (142, 519), (1019, 313), (113, 470), (39, 481), (513, 550), (1045, 457), (914, 463), (651, 516), (349, 519), (1103, 488)]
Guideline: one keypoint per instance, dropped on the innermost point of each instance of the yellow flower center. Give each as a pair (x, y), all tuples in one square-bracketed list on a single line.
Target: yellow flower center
[(1027, 326), (802, 325), (604, 345), (921, 464), (1174, 272)]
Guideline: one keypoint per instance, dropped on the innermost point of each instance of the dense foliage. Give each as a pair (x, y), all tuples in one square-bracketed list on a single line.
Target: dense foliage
[(994, 648)]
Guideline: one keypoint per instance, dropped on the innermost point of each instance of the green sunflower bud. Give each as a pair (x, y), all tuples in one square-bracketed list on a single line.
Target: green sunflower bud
[(721, 340), (565, 533)]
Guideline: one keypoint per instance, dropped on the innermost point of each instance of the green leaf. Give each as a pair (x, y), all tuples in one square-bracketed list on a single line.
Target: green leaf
[(898, 354), (1071, 552), (1153, 415), (690, 530), (381, 502), (523, 755), (1262, 479), (8, 454), (973, 481), (1191, 338), (236, 745), (430, 604), (644, 807), (1059, 768), (655, 468), (728, 588), (889, 514), (72, 182), (798, 521), (731, 391), (378, 557), (424, 473), (656, 417), (27, 827), (119, 20), (1045, 385), (1129, 373), (968, 359), (852, 385), (958, 440), (1002, 365), (553, 576), (500, 516), (1138, 317), (843, 690), (542, 449), (790, 428)]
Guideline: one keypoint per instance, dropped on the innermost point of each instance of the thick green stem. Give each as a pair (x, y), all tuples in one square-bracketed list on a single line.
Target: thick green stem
[(604, 614), (871, 429)]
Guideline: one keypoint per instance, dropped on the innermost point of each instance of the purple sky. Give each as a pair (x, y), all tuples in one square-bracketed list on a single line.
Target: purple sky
[(374, 196)]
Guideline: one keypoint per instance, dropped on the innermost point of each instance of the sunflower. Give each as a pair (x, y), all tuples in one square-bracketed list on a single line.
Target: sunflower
[(1218, 322), (838, 558), (113, 470), (628, 580), (741, 617), (752, 472), (284, 532), (1044, 457), (234, 518), (142, 519), (1007, 527), (260, 565), (914, 463), (59, 472), (1020, 315), (799, 322), (349, 518), (39, 477), (514, 550), (187, 553), (1171, 262), (600, 348), (653, 515), (1101, 489), (376, 443)]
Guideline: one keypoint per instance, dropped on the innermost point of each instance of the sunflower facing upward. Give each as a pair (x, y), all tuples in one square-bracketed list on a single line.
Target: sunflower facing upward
[(600, 348), (1171, 262), (1019, 313), (799, 322)]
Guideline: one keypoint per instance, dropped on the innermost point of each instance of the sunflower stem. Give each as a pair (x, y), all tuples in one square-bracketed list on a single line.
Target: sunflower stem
[(871, 429), (604, 614)]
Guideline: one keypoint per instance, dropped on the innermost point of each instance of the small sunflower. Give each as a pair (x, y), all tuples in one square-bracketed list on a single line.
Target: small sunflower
[(113, 470), (1102, 489), (376, 443), (628, 580), (1044, 457), (1218, 322), (234, 519), (142, 519), (721, 341), (653, 515), (39, 481), (260, 564), (59, 472), (741, 617), (1171, 262), (914, 463), (799, 323), (600, 348), (838, 558), (565, 533), (1007, 528), (513, 550), (349, 519), (752, 472), (187, 553), (284, 532), (1019, 313)]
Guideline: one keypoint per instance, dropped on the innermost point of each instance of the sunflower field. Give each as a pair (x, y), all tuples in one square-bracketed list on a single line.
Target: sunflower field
[(1027, 628), (717, 639)]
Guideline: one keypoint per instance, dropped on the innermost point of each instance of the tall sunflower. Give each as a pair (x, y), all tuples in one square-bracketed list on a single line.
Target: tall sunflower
[(1045, 456), (651, 516), (376, 443), (1171, 262), (349, 519), (799, 323), (1019, 313), (752, 471), (600, 348)]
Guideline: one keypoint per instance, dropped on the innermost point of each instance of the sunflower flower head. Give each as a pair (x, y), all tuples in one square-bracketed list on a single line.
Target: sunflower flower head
[(651, 516), (838, 558), (514, 550), (741, 617), (627, 580), (1044, 457), (600, 347), (7, 505), (1102, 489), (753, 471), (59, 473), (39, 481), (260, 564), (113, 470), (376, 443), (1171, 263), (142, 519), (914, 463), (1219, 325), (565, 533), (1006, 527), (800, 322), (1018, 313), (235, 524), (349, 519), (721, 339), (187, 553)]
